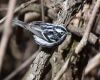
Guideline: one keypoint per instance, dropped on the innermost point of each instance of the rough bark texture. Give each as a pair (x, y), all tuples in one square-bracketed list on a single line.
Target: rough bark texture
[(37, 66)]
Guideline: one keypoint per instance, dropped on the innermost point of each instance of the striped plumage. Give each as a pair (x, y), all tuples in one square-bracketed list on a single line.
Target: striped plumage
[(45, 34)]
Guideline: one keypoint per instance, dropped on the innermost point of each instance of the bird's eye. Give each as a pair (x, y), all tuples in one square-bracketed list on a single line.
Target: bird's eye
[(61, 33)]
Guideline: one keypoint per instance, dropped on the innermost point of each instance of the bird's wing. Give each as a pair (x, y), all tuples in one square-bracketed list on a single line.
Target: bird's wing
[(33, 27)]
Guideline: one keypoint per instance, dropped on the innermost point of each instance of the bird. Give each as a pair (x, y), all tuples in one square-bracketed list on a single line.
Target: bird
[(45, 34)]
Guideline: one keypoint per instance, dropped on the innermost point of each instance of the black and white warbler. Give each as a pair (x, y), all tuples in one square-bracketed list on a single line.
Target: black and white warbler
[(45, 34)]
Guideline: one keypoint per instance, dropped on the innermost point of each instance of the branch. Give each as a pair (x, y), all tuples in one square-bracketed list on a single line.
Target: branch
[(19, 8), (38, 65), (42, 10), (20, 68), (7, 30), (83, 42), (95, 61), (62, 70), (80, 32)]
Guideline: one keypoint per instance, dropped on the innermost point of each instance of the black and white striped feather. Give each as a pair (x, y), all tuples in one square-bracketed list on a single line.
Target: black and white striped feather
[(45, 34)]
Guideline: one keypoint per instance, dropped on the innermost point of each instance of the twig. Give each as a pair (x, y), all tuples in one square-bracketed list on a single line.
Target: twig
[(95, 61), (42, 9), (61, 49), (63, 69), (20, 68), (7, 30), (80, 32), (83, 42), (3, 9), (19, 8)]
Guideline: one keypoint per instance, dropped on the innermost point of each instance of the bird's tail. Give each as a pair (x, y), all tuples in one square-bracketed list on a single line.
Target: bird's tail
[(33, 29), (20, 23)]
